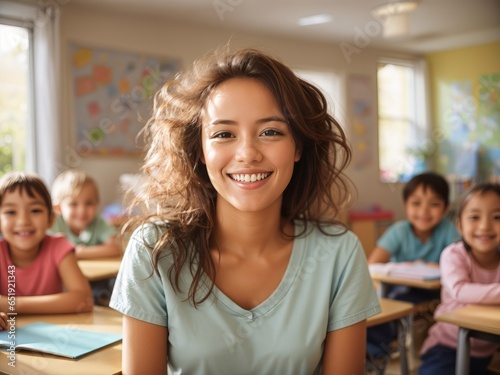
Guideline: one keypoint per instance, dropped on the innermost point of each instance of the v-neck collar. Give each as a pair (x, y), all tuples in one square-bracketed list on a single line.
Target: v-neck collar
[(279, 293)]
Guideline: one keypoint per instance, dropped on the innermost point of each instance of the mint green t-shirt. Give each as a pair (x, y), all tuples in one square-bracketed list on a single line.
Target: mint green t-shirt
[(326, 287), (96, 233)]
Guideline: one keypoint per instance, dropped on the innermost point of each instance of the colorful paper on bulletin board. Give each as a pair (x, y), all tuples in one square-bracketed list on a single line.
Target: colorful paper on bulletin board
[(460, 159), (113, 97), (488, 130), (461, 111), (361, 113)]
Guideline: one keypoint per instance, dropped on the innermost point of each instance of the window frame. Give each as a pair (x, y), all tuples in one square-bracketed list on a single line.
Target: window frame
[(420, 127), (31, 131)]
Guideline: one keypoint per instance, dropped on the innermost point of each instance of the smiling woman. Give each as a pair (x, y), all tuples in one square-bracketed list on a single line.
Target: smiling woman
[(243, 266)]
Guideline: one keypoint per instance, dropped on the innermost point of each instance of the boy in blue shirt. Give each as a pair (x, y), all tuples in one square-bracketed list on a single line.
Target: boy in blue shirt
[(420, 238)]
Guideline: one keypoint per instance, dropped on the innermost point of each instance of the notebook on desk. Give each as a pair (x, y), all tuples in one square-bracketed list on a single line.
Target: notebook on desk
[(64, 341), (414, 271)]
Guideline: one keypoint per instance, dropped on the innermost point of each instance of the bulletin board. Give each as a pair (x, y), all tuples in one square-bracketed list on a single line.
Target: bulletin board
[(361, 110), (112, 95)]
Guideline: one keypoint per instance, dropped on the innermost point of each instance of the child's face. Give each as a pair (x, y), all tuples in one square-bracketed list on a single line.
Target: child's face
[(424, 209), (24, 221), (78, 212), (480, 222)]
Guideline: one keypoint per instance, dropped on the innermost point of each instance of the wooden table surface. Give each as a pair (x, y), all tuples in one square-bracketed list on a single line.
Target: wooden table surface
[(99, 269), (104, 361), (484, 318)]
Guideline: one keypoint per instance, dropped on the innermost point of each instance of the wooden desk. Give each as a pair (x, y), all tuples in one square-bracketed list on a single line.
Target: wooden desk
[(479, 321), (105, 361), (99, 269), (400, 311), (385, 281)]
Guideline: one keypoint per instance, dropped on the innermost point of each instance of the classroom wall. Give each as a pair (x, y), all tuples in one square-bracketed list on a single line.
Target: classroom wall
[(187, 42), (459, 77)]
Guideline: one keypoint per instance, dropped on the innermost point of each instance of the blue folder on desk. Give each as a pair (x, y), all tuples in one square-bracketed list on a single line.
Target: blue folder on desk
[(64, 341)]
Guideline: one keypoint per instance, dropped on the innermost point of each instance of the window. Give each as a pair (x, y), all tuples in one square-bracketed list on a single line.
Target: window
[(16, 112), (402, 129)]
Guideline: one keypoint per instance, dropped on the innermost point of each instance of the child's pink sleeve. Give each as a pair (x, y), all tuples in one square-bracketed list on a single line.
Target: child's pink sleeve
[(465, 280)]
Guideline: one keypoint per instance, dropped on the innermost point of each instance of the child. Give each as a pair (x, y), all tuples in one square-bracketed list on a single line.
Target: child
[(470, 274), (421, 237), (76, 199), (41, 270), (426, 231), (241, 268)]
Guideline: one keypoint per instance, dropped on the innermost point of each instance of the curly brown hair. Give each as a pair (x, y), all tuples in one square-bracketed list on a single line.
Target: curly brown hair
[(178, 191)]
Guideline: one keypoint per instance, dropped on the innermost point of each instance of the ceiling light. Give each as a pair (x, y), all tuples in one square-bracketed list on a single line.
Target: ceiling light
[(395, 26), (395, 7), (315, 20)]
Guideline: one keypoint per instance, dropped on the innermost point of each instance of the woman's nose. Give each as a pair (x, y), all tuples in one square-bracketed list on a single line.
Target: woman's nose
[(248, 151)]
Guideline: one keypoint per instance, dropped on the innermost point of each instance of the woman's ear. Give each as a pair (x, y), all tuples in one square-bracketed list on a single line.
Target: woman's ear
[(298, 154), (57, 209)]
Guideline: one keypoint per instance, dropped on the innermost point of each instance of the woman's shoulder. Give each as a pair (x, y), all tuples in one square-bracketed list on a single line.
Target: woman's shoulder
[(149, 233), (327, 234)]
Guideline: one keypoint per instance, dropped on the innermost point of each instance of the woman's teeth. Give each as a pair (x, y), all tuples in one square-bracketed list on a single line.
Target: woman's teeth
[(250, 177)]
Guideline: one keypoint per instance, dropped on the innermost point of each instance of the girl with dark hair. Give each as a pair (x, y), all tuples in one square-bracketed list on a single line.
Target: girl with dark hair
[(470, 274)]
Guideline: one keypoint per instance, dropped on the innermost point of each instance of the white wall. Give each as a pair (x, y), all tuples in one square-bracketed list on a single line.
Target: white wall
[(188, 42)]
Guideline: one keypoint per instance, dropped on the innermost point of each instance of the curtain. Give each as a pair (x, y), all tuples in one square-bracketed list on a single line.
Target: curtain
[(46, 69)]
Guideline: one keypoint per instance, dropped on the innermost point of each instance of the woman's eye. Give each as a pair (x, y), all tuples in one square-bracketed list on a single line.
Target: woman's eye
[(9, 212), (271, 133), (222, 135)]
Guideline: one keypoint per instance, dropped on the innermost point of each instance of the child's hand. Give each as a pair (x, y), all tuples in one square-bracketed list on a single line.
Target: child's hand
[(3, 321)]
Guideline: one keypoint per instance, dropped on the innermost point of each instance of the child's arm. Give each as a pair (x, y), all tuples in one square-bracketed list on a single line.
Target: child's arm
[(455, 276), (110, 249), (76, 298), (379, 255)]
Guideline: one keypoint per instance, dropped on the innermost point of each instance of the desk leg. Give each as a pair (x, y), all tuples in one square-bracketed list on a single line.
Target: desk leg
[(463, 352), (384, 289), (403, 328)]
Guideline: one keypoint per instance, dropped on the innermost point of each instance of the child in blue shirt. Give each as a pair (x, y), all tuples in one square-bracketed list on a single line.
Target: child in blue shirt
[(420, 238)]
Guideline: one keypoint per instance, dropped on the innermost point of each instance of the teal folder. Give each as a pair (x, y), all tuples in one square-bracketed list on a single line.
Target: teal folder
[(64, 341)]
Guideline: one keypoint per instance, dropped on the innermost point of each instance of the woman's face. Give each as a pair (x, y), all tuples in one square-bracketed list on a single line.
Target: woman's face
[(248, 148)]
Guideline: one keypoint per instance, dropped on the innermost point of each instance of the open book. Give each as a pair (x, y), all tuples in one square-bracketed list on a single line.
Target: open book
[(406, 270), (59, 340)]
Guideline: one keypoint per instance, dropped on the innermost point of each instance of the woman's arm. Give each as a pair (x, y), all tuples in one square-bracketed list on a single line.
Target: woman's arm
[(144, 348), (110, 249), (345, 350), (76, 298), (379, 255)]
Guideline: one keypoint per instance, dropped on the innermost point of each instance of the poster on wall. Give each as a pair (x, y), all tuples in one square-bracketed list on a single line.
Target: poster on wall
[(471, 126), (361, 113), (113, 97)]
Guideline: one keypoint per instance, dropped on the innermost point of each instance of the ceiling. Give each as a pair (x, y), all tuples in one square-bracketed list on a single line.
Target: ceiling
[(434, 25)]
